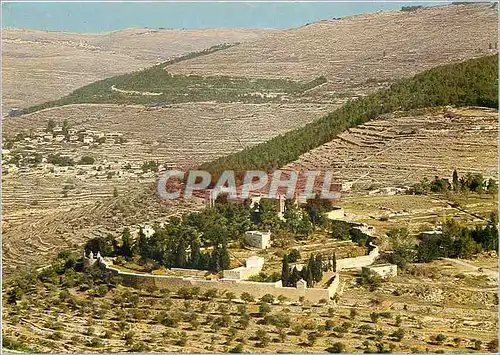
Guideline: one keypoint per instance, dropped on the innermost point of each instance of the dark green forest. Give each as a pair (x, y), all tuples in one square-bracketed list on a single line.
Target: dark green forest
[(469, 83)]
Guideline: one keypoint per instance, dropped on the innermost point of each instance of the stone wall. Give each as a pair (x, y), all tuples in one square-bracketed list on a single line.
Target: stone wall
[(360, 261), (256, 289)]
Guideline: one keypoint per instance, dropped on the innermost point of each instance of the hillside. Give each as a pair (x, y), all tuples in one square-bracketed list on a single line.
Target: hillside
[(360, 51), (39, 65), (328, 61), (473, 82)]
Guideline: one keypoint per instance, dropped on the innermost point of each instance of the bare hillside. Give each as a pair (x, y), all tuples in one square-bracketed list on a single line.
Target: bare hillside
[(360, 50), (39, 66)]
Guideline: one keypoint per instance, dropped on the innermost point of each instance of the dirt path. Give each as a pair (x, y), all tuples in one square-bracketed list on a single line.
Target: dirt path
[(133, 92), (481, 270)]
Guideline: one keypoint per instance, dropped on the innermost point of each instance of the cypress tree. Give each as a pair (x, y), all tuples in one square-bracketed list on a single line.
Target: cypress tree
[(455, 180), (309, 278), (285, 272)]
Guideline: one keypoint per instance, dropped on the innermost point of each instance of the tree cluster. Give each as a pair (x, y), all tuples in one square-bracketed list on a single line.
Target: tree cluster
[(470, 182), (311, 272), (457, 241), (200, 240)]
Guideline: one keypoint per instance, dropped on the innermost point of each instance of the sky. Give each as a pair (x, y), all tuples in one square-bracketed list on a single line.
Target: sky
[(74, 16)]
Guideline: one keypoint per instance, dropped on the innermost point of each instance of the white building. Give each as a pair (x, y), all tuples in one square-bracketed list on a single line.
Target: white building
[(384, 270), (337, 213), (261, 240), (253, 265), (59, 138)]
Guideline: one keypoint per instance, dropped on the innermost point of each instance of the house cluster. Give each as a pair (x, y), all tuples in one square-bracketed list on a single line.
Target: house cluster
[(59, 134), (49, 154)]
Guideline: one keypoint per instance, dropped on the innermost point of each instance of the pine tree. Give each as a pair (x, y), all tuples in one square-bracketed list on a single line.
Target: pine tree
[(317, 270), (224, 258), (180, 255), (142, 244), (296, 276), (195, 258)]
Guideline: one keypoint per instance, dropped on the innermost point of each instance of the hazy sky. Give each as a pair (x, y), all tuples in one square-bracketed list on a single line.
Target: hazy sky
[(98, 17)]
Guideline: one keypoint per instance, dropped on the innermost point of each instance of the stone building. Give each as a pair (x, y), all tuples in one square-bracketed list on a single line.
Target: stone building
[(261, 240), (253, 265)]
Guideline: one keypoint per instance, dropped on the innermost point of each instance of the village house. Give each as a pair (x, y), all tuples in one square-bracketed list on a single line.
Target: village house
[(59, 138), (72, 131), (88, 140)]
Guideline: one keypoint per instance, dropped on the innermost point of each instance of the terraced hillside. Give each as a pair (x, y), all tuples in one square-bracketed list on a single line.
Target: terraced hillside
[(359, 52), (184, 134), (194, 133), (401, 149), (39, 65), (40, 219)]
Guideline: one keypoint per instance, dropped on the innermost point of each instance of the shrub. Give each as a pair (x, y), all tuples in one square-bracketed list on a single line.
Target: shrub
[(95, 342), (440, 338), (267, 298), (337, 348), (245, 296), (262, 337), (237, 349), (311, 338), (478, 344), (297, 329), (264, 309), (369, 278), (399, 334)]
